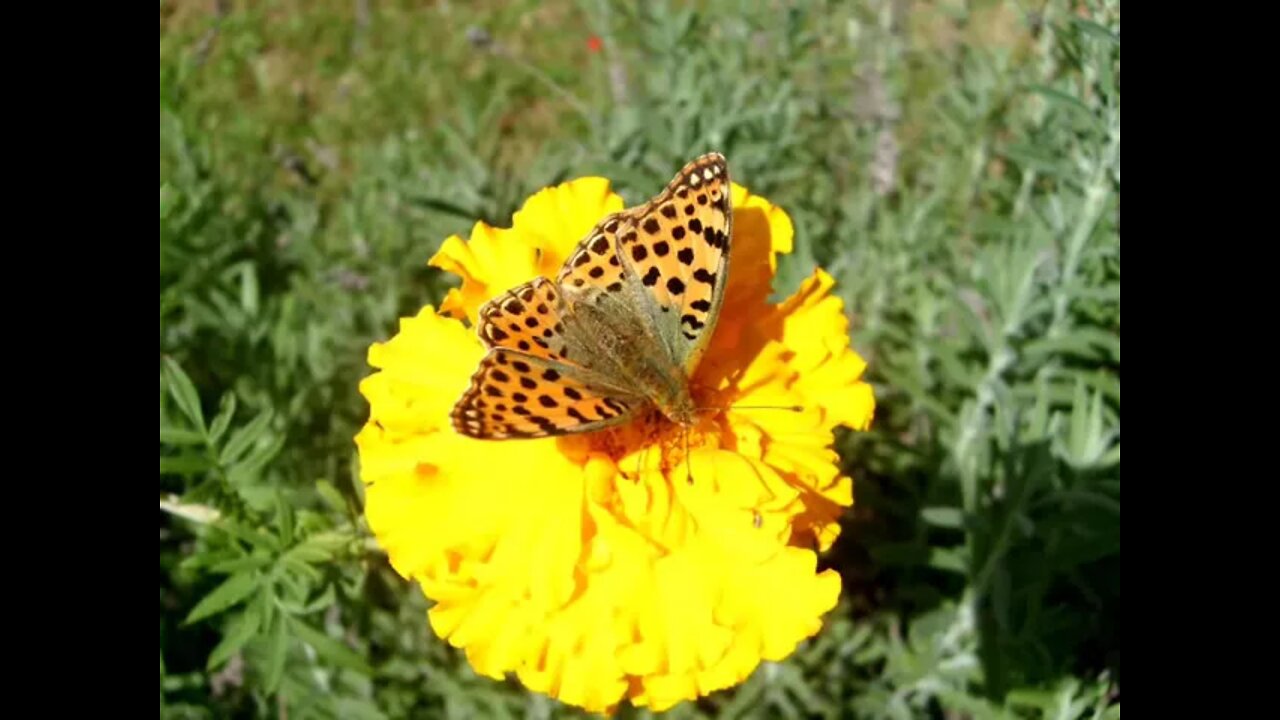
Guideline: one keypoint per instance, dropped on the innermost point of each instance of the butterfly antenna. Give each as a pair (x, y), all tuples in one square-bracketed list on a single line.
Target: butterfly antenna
[(647, 422), (789, 408), (644, 448)]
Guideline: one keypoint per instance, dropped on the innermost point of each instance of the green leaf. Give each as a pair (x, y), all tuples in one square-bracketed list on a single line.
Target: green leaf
[(954, 369), (243, 629), (330, 649), (1111, 458), (252, 536), (1061, 98), (264, 606), (168, 198), (948, 559), (1092, 28), (326, 598), (297, 565), (256, 561), (1108, 384), (243, 438), (178, 436), (232, 591), (331, 496), (1033, 698), (1030, 157), (284, 519), (327, 543), (277, 652), (249, 289), (309, 554), (1108, 342), (251, 465), (184, 392), (946, 517), (965, 705), (183, 465), (1041, 349), (291, 588), (199, 562), (260, 498), (357, 709), (443, 205), (225, 413), (322, 601), (1109, 293), (1088, 439)]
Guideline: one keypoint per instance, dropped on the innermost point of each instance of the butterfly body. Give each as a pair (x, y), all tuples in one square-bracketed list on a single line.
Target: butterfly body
[(622, 328), (630, 365)]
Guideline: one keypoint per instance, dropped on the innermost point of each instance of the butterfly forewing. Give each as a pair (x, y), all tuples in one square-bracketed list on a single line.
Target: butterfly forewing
[(527, 318), (677, 247), (594, 264)]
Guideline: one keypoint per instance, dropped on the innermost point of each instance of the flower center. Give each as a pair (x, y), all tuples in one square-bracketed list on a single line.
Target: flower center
[(655, 443)]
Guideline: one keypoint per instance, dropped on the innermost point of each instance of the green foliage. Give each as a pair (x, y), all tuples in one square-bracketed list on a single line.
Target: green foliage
[(955, 166)]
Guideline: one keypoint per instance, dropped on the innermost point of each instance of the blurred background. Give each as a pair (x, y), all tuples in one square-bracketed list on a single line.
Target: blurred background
[(954, 165)]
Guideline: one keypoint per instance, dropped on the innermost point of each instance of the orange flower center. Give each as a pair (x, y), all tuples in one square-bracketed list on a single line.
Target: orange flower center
[(658, 443)]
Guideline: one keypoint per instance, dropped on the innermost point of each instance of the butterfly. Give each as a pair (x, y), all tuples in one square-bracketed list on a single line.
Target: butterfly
[(620, 330)]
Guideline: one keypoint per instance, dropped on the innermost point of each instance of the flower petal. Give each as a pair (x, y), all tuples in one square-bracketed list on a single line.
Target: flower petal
[(492, 261), (544, 231), (816, 329), (553, 220)]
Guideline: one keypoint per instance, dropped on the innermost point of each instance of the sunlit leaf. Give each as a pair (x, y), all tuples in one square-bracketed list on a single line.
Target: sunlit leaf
[(220, 423), (243, 438), (243, 629), (231, 592), (277, 652), (330, 649), (178, 436), (184, 392)]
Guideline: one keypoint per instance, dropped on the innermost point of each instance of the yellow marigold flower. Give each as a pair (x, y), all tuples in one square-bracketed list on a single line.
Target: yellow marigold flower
[(590, 565)]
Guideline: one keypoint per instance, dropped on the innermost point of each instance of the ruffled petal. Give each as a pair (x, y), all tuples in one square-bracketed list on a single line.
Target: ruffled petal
[(491, 262), (760, 232), (545, 230), (553, 220), (816, 329)]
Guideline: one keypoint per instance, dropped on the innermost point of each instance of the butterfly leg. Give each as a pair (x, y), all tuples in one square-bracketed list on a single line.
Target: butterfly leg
[(688, 458)]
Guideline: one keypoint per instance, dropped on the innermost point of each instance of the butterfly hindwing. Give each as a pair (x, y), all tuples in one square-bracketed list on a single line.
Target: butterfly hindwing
[(677, 248), (517, 395)]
